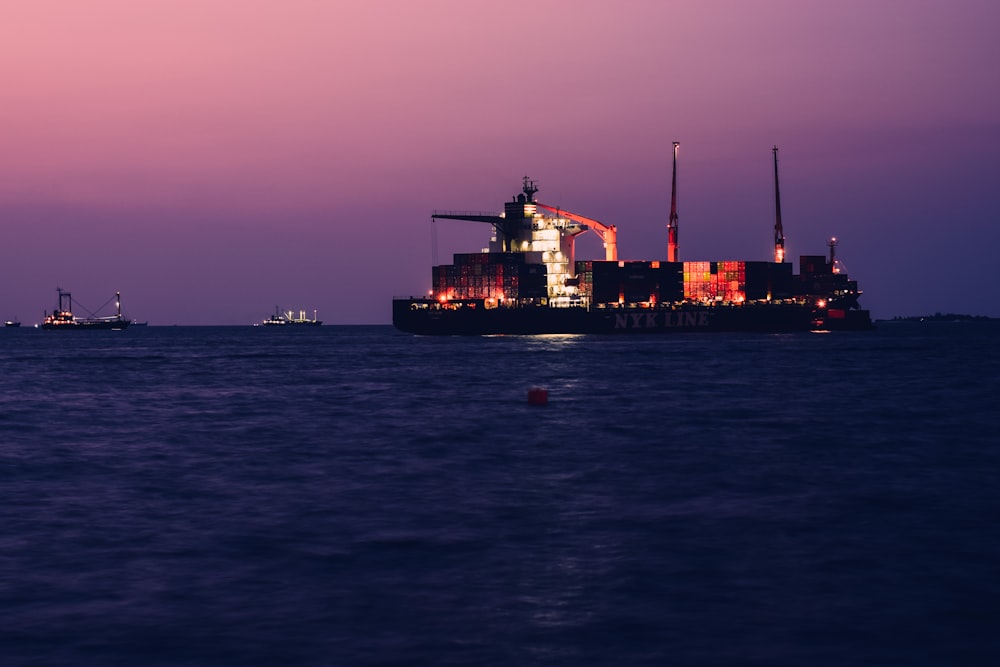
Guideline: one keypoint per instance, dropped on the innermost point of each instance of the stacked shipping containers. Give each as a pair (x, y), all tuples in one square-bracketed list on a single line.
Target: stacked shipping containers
[(630, 282), (509, 277), (500, 276), (736, 281), (767, 280), (715, 281)]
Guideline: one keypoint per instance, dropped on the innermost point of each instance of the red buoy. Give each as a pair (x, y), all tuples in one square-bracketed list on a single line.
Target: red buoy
[(538, 396)]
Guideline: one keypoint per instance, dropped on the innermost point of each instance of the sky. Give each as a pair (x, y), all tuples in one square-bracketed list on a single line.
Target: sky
[(213, 159)]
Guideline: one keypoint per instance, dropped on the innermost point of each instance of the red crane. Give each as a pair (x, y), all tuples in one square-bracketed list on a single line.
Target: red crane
[(779, 233), (672, 222), (608, 233)]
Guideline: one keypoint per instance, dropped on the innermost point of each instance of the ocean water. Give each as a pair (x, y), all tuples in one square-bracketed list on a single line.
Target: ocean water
[(356, 496)]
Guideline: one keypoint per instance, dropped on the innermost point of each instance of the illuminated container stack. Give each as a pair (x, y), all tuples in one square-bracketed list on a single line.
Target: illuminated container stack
[(510, 278), (736, 281), (495, 276), (715, 281)]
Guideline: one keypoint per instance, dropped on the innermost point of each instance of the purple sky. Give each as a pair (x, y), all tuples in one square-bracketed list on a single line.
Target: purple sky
[(212, 159)]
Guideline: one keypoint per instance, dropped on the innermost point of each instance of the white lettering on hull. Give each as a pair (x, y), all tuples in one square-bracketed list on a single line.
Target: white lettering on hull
[(663, 320)]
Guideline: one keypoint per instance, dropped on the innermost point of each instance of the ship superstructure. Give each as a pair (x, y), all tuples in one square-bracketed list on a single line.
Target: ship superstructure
[(523, 237)]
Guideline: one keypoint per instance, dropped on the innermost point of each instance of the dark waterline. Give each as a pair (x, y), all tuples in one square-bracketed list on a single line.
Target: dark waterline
[(354, 496)]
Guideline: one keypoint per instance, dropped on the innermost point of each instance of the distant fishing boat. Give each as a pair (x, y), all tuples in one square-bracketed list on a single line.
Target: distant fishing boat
[(62, 319), (288, 318), (12, 323)]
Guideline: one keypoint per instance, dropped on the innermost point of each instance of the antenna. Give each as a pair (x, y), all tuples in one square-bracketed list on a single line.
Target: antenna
[(529, 189)]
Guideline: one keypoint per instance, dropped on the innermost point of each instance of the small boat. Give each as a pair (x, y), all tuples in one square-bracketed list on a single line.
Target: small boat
[(12, 323), (288, 318), (62, 319)]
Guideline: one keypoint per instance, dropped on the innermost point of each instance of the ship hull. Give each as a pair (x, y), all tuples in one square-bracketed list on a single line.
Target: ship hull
[(291, 323), (99, 325), (471, 318)]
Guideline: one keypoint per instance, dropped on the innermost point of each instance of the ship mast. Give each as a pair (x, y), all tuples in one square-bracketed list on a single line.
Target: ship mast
[(779, 233), (529, 189), (672, 222), (69, 299)]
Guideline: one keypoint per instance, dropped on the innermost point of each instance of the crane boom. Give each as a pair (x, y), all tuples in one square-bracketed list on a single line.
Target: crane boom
[(471, 217), (779, 233), (608, 233), (672, 248)]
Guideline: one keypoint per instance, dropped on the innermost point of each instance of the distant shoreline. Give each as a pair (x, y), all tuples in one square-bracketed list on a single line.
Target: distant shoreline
[(940, 317)]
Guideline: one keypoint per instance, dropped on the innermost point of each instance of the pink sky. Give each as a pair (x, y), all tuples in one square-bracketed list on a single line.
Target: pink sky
[(211, 159)]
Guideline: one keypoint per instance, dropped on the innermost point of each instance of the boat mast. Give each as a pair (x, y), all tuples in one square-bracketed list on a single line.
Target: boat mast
[(672, 222), (779, 233), (118, 304)]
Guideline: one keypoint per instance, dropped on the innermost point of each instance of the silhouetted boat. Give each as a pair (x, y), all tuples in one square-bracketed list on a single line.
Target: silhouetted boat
[(62, 319), (12, 323)]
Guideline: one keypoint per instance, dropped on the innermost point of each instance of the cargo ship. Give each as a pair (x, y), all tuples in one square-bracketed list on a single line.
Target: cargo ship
[(62, 318), (288, 318), (528, 282)]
